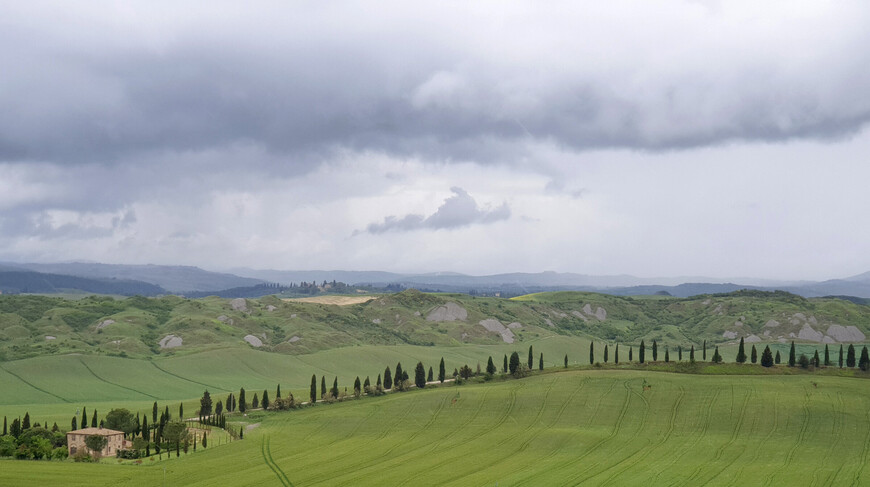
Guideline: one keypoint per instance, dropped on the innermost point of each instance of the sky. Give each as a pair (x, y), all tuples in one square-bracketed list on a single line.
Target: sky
[(673, 138)]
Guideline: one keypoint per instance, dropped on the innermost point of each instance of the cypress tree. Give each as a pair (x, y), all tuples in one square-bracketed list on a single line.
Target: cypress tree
[(616, 354), (357, 387), (420, 375), (692, 353), (490, 367), (25, 425), (442, 372), (704, 352), (400, 374), (505, 369), (74, 424), (388, 378), (277, 394), (323, 386), (641, 352), (430, 378), (243, 403), (367, 383), (827, 356), (816, 359), (514, 362), (605, 353), (531, 358), (264, 402), (667, 356), (153, 413), (753, 355), (777, 359), (566, 360), (591, 353), (864, 362), (630, 353), (766, 357), (541, 362), (94, 420), (144, 427), (85, 417), (716, 357), (741, 353), (312, 392), (334, 390), (379, 384), (655, 351), (256, 402), (791, 356), (850, 356), (841, 356), (680, 353)]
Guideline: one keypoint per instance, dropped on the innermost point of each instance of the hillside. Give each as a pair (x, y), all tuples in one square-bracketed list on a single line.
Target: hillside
[(18, 281), (143, 327)]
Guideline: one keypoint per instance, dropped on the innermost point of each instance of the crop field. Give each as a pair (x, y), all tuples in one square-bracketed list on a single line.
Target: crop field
[(596, 427)]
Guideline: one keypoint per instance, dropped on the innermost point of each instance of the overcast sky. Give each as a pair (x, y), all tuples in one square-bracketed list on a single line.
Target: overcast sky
[(648, 138)]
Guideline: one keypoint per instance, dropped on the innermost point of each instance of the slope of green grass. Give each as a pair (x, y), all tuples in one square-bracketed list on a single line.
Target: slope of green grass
[(595, 427)]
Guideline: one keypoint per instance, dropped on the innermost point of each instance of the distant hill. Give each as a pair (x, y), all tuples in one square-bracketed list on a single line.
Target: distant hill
[(14, 282), (175, 279)]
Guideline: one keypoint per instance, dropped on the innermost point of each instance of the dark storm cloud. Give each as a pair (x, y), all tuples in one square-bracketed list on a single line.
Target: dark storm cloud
[(100, 89), (459, 210)]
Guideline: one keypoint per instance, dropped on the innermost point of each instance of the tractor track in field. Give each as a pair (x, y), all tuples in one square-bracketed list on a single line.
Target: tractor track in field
[(864, 454), (833, 477), (734, 434), (700, 468), (758, 449), (706, 424), (798, 442), (630, 456), (112, 383), (836, 430), (664, 439), (13, 374), (324, 425), (216, 389), (266, 451)]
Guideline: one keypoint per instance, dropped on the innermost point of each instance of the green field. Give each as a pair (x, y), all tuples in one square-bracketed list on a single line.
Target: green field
[(596, 427)]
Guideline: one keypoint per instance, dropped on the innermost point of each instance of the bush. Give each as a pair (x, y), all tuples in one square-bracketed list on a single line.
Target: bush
[(127, 454), (522, 370), (82, 456)]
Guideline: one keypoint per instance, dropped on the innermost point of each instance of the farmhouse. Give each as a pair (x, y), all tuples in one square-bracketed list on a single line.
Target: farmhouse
[(75, 440)]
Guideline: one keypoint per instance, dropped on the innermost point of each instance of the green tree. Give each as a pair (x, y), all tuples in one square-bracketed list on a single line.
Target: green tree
[(334, 390), (85, 417), (692, 354), (420, 375), (367, 383), (181, 411), (442, 371), (704, 352), (176, 433), (641, 352), (357, 387), (205, 404), (429, 377), (94, 420), (122, 420), (766, 357), (803, 361), (841, 356), (716, 357), (850, 356), (26, 423), (95, 444), (73, 425), (630, 353), (490, 367), (667, 356), (255, 403), (816, 359), (531, 358), (827, 356), (541, 362), (153, 414), (278, 392), (379, 384), (400, 374), (264, 401), (243, 403), (777, 360), (791, 356), (655, 351), (566, 366), (864, 361), (323, 386), (388, 378), (505, 369), (312, 392), (680, 353), (514, 362), (605, 353), (591, 353), (741, 353), (616, 354), (753, 355)]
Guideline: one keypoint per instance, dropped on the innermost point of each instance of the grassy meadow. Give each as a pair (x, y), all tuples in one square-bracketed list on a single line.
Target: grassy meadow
[(595, 427)]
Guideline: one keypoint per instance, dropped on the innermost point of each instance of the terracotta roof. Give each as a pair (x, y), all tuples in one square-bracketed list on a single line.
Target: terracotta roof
[(96, 431)]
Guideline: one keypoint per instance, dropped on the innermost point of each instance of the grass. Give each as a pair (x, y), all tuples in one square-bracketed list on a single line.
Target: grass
[(595, 427)]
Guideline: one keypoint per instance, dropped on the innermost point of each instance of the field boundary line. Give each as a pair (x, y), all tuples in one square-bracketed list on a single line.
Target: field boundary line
[(33, 386), (270, 462), (116, 385), (216, 389)]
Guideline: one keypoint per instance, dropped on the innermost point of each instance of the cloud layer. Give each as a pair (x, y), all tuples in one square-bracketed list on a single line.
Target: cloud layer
[(457, 211)]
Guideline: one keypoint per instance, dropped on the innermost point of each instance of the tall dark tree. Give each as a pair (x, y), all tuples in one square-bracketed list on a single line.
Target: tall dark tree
[(514, 362), (791, 356), (94, 420), (777, 360), (278, 392), (680, 353), (566, 360), (692, 353), (505, 369), (430, 377), (630, 353), (753, 355), (367, 383), (827, 356), (25, 425), (716, 357), (388, 378), (541, 362), (205, 404), (85, 416), (379, 384), (641, 353), (357, 387), (741, 353), (591, 353), (153, 414), (490, 367), (531, 358), (841, 356), (816, 359), (667, 356), (243, 403), (255, 403), (766, 357), (420, 375), (73, 425), (442, 372), (144, 429), (400, 374), (864, 361), (323, 386), (312, 392), (850, 356), (655, 350), (616, 354), (334, 390), (264, 401), (605, 353), (704, 352)]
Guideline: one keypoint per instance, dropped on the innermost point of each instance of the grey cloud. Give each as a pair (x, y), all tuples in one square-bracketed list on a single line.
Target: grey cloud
[(459, 210)]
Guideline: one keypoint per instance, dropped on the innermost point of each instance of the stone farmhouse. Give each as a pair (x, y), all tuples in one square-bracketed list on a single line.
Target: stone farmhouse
[(75, 440)]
